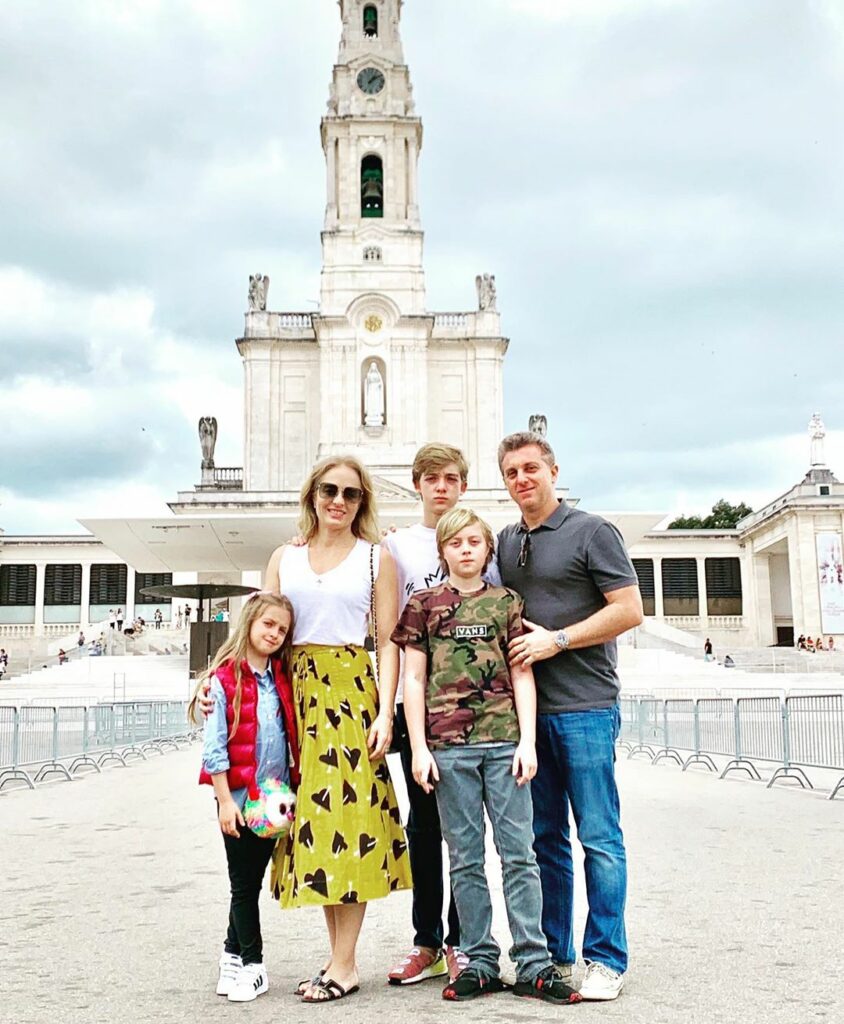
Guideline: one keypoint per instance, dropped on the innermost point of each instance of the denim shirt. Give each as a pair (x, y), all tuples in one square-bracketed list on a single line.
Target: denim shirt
[(271, 754)]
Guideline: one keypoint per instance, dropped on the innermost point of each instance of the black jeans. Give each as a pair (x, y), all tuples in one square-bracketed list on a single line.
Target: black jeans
[(247, 858), (425, 848)]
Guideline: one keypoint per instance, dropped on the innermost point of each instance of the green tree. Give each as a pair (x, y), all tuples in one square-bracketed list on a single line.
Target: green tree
[(723, 516)]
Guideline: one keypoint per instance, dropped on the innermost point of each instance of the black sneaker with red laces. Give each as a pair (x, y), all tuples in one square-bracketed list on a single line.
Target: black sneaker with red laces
[(547, 985), (470, 984)]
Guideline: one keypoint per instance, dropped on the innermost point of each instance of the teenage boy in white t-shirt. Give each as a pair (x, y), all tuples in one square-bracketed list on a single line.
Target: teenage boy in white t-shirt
[(439, 476)]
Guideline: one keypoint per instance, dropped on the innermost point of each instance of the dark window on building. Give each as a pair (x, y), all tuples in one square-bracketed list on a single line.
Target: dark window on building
[(371, 187), (823, 489), (679, 586), (370, 21), (645, 571), (152, 579), (63, 585), (108, 585), (17, 585), (723, 586)]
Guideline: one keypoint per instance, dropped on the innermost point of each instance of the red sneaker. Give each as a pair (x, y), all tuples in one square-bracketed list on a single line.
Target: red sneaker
[(418, 965)]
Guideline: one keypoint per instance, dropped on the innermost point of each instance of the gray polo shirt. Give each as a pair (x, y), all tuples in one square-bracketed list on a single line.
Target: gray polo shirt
[(571, 561)]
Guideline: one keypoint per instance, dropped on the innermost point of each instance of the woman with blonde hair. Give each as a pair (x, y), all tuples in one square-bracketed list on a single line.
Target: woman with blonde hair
[(347, 845)]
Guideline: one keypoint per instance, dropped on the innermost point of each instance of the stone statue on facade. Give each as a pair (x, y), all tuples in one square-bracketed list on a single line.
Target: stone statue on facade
[(817, 433), (538, 424), (207, 440), (485, 283), (259, 286), (373, 397)]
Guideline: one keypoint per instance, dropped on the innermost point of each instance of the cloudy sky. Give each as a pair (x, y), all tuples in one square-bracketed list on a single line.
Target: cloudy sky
[(657, 185)]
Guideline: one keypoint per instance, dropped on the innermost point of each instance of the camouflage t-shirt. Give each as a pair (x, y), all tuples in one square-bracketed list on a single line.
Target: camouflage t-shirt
[(469, 693)]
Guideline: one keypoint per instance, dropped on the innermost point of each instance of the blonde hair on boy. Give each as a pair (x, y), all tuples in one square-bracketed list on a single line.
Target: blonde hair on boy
[(431, 458), (456, 520)]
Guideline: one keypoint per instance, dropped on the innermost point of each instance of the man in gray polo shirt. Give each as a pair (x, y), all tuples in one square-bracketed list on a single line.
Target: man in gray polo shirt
[(580, 591)]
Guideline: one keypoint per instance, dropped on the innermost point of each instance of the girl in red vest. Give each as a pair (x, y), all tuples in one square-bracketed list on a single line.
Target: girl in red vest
[(250, 736)]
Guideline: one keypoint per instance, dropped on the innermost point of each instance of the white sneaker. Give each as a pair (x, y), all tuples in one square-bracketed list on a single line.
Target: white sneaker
[(252, 981), (566, 972), (600, 983), (230, 966)]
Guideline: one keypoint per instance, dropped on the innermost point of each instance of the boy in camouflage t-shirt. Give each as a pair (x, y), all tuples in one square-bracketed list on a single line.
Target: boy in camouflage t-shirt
[(472, 724)]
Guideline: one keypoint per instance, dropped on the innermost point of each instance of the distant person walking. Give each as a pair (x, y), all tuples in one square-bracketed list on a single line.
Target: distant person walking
[(158, 618), (81, 640), (707, 650), (112, 619), (119, 619), (178, 617)]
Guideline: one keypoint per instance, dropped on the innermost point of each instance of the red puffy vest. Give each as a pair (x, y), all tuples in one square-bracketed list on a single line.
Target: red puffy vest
[(242, 745)]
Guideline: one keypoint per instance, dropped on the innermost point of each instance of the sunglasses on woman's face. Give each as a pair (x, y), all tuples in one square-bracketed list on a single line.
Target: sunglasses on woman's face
[(330, 491)]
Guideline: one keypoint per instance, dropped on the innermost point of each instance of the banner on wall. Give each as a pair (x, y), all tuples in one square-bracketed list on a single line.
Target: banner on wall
[(831, 581)]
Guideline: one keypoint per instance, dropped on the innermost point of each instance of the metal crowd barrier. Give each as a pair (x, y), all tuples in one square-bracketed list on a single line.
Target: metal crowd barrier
[(793, 732), (37, 742)]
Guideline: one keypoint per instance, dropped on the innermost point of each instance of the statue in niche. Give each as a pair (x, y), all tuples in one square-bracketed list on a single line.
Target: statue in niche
[(538, 424), (485, 284), (373, 397), (259, 286), (207, 440), (817, 433)]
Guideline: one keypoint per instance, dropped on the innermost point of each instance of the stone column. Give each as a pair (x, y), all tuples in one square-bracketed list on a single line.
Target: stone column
[(40, 574), (130, 594), (412, 187), (764, 612), (659, 603), (331, 179), (85, 597), (703, 608)]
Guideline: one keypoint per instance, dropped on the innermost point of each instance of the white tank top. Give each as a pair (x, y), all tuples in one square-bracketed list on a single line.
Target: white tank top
[(332, 607)]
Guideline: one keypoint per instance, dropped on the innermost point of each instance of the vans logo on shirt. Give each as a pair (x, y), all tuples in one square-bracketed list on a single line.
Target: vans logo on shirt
[(472, 632)]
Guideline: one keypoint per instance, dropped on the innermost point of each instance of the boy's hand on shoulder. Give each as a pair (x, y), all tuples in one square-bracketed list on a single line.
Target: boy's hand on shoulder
[(230, 817), (524, 763), (298, 541), (425, 769)]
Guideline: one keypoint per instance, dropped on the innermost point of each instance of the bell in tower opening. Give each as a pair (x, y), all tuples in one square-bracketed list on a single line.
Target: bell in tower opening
[(371, 187), (370, 22)]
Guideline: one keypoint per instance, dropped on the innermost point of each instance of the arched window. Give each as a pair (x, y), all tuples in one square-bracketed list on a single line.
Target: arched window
[(371, 187), (370, 21)]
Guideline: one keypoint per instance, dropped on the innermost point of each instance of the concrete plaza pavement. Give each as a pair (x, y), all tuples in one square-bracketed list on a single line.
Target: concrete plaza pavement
[(114, 902)]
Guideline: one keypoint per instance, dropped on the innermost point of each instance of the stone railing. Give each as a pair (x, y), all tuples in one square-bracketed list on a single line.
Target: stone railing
[(726, 621), (261, 324), (682, 621), (17, 629), (451, 321), (229, 478)]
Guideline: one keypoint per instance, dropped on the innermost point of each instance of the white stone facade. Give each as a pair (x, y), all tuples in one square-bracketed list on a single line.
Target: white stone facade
[(304, 373)]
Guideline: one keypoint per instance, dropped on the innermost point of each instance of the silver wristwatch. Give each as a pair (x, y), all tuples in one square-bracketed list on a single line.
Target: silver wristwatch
[(561, 639)]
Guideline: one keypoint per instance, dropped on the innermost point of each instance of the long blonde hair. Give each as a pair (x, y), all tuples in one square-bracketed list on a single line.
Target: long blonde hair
[(234, 650), (365, 525)]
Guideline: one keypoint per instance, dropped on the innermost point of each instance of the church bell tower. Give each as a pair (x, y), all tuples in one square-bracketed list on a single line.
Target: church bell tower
[(372, 238)]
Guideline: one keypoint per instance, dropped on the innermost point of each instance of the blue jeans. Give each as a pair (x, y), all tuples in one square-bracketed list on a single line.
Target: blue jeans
[(474, 777), (576, 754)]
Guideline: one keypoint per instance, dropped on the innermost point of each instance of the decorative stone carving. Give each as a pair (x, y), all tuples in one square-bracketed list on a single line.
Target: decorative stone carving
[(207, 440), (487, 295), (817, 433), (372, 254), (259, 286), (373, 324), (538, 424), (373, 397)]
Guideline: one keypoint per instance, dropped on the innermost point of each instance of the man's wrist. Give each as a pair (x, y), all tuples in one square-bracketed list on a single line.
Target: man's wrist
[(561, 640)]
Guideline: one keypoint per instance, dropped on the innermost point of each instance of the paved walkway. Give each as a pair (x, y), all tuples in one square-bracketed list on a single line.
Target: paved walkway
[(114, 900)]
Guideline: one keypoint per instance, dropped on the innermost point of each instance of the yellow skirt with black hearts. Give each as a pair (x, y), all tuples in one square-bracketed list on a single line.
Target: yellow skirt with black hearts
[(347, 844)]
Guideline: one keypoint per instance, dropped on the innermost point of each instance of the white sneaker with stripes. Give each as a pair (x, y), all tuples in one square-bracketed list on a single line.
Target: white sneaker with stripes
[(230, 966), (252, 981)]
